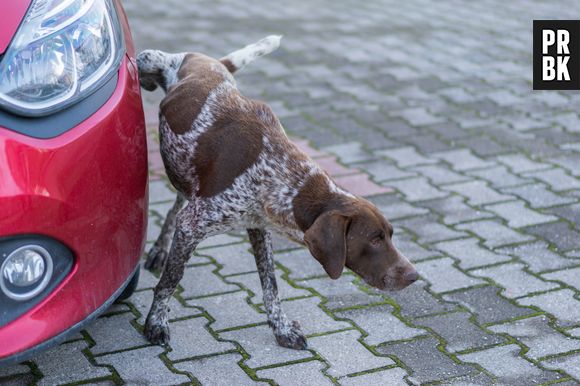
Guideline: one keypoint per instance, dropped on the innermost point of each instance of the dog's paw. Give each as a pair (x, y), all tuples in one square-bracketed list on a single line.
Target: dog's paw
[(291, 336), (155, 258), (157, 333)]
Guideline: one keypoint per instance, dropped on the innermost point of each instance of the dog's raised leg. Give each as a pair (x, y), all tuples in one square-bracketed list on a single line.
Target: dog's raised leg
[(188, 234), (287, 333), (159, 251)]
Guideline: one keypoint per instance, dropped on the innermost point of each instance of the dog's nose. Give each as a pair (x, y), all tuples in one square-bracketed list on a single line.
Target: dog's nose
[(412, 276)]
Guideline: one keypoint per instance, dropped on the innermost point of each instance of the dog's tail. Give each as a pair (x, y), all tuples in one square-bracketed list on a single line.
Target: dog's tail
[(238, 59)]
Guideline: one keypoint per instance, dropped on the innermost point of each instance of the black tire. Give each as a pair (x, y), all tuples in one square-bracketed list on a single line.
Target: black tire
[(131, 287)]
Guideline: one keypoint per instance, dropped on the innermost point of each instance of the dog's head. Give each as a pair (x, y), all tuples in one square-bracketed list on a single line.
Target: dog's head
[(359, 237)]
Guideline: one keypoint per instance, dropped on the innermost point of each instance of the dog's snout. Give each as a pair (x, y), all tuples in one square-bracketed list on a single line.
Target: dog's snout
[(412, 276)]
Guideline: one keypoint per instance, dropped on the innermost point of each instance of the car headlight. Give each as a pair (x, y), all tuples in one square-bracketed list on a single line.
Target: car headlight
[(63, 51)]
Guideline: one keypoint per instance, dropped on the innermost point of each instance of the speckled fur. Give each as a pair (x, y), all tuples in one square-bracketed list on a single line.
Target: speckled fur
[(260, 198)]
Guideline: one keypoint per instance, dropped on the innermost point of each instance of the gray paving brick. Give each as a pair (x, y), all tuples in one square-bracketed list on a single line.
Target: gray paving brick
[(462, 159), (142, 301), (428, 363), (19, 380), (235, 258), (570, 213), (418, 116), (519, 163), (570, 364), (311, 317), (260, 344), (499, 177), (159, 191), (201, 281), (488, 306), (439, 174), (190, 338), (206, 370), (380, 324), (401, 210), (559, 234), (300, 263), (306, 373), (349, 153), (142, 367), (454, 210), (382, 171), (13, 370), (538, 196), (216, 241), (417, 189), (477, 192), (345, 354), (66, 364), (429, 230), (557, 179), (517, 215), (406, 156), (459, 332), (570, 276), (392, 377), (153, 228), (414, 252), (146, 279), (229, 310), (538, 257), (470, 254), (251, 281), (561, 304), (504, 363), (493, 233), (415, 301), (106, 341), (341, 293), (443, 276), (515, 281), (538, 336)]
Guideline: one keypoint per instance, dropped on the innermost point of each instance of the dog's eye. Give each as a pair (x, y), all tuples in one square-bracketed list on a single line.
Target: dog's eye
[(378, 239)]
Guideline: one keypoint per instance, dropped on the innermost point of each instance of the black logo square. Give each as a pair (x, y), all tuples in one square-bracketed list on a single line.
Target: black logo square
[(556, 54)]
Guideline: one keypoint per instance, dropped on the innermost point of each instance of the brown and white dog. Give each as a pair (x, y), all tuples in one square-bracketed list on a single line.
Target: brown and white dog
[(234, 168)]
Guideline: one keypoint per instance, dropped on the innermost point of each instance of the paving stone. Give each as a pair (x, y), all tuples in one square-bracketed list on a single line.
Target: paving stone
[(146, 279), (417, 116), (515, 281), (556, 179), (480, 379), (429, 230), (493, 233), (570, 213), (517, 215), (462, 159), (559, 234), (392, 377), (159, 191), (459, 332), (13, 370), (142, 301), (406, 156), (428, 363), (311, 317), (504, 363), (382, 171), (300, 263), (341, 293), (417, 189), (66, 364), (345, 354), (570, 276), (251, 281), (226, 365), (259, 342), (499, 177), (201, 281), (477, 192), (453, 210), (190, 338), (443, 276), (349, 153), (470, 254), (401, 210), (415, 301), (439, 174), (380, 324), (305, 373), (538, 196), (105, 334), (229, 310), (413, 251), (131, 364), (19, 380), (153, 228), (488, 306), (538, 257), (538, 336), (361, 185), (218, 240), (235, 258), (570, 364), (561, 304), (519, 163)]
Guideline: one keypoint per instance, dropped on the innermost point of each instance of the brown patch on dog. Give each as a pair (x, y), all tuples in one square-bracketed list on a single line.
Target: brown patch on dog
[(312, 199), (185, 99), (227, 149), (229, 65)]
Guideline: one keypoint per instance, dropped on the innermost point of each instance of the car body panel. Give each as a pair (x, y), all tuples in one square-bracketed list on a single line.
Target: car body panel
[(13, 12)]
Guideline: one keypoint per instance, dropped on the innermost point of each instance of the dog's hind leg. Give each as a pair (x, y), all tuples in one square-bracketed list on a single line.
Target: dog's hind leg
[(287, 333), (159, 251), (189, 233)]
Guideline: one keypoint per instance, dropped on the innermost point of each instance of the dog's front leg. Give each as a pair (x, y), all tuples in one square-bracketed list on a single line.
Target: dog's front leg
[(189, 233), (159, 251), (287, 333)]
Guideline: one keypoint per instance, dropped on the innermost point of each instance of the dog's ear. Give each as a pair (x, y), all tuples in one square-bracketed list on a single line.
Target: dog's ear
[(326, 240)]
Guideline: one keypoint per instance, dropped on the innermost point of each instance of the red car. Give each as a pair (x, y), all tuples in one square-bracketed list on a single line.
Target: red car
[(73, 169)]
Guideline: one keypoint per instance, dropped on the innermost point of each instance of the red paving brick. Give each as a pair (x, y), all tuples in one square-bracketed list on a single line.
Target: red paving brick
[(334, 168), (361, 185)]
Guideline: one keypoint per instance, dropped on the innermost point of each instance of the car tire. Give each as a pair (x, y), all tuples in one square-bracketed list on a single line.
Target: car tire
[(131, 287)]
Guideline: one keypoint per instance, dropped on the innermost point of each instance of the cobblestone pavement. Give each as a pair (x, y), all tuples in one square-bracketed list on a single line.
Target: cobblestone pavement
[(427, 108)]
